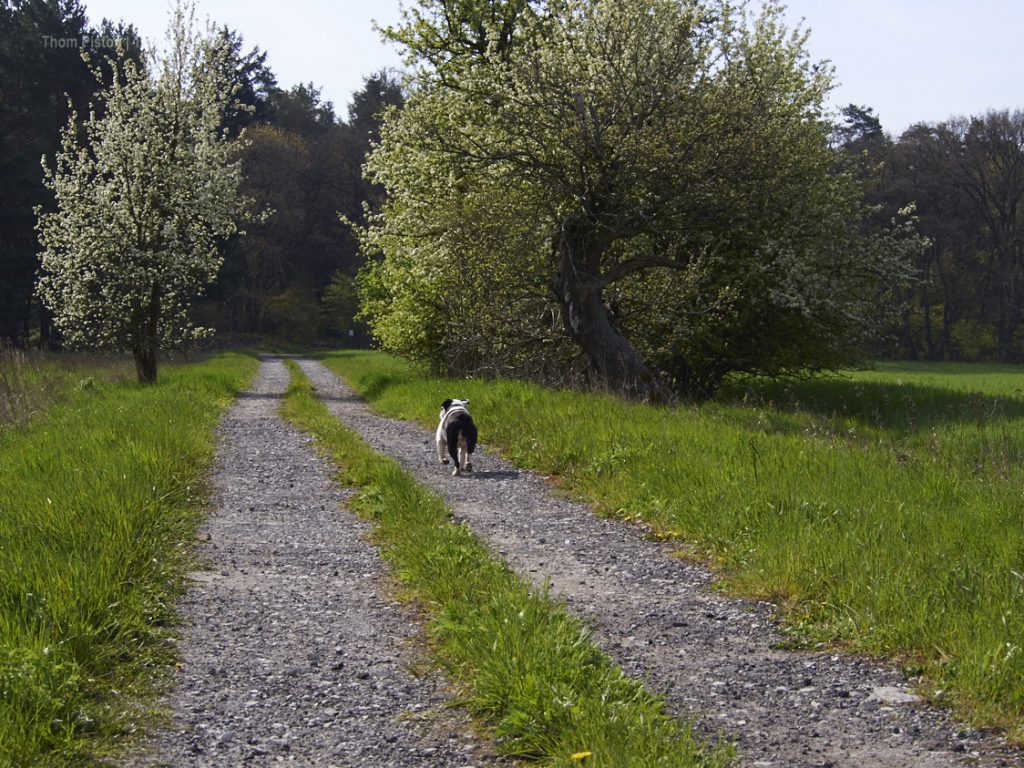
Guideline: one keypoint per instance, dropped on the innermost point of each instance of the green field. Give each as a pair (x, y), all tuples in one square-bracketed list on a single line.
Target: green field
[(881, 510), (100, 493)]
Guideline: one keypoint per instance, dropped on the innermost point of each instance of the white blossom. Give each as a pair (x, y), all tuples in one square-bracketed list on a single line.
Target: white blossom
[(145, 188)]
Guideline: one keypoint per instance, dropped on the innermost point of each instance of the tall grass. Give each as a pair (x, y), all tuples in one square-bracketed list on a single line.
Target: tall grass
[(881, 511), (99, 497), (31, 381), (523, 664)]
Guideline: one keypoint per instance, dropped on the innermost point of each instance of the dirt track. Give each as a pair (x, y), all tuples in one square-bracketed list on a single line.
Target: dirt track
[(714, 658), (296, 654), (294, 651)]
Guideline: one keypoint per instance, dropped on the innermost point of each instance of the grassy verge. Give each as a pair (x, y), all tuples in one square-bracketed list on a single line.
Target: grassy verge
[(99, 497), (32, 381), (522, 662), (882, 511)]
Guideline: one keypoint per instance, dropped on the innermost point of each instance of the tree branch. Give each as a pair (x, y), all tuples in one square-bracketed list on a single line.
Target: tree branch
[(629, 266)]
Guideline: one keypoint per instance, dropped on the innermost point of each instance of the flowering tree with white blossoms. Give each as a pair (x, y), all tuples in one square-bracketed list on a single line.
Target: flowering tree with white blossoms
[(639, 194), (145, 188)]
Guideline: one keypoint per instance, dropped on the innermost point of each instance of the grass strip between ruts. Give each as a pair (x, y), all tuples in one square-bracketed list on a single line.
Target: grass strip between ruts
[(99, 499), (521, 662)]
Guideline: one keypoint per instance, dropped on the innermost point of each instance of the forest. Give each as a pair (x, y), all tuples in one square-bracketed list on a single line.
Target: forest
[(965, 176), (291, 277)]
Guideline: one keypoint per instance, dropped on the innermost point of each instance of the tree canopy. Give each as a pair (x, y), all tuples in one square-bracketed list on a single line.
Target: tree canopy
[(689, 161), (145, 191), (642, 191), (966, 177)]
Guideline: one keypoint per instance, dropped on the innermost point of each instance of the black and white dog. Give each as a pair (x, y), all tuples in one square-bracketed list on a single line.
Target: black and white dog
[(456, 434)]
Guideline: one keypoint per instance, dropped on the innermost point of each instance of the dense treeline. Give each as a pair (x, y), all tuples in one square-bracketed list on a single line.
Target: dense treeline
[(42, 78), (291, 276), (966, 178)]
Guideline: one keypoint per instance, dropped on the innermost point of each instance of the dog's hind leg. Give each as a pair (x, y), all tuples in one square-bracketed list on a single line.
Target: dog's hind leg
[(464, 456), (442, 445), (452, 440)]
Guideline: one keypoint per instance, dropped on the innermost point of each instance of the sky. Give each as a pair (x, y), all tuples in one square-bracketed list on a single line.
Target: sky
[(910, 60)]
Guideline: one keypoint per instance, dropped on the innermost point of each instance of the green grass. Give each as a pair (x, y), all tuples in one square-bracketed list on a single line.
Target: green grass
[(521, 662), (99, 497), (31, 381), (882, 511)]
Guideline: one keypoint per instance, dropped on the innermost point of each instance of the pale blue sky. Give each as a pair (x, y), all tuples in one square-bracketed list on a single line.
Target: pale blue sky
[(911, 60)]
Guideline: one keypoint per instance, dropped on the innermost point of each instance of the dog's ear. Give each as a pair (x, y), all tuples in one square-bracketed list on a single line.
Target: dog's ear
[(446, 404), (465, 402)]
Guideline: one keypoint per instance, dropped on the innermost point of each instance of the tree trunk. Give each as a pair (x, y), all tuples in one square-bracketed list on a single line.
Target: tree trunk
[(908, 332), (926, 317), (1006, 326), (145, 364), (613, 358), (146, 346)]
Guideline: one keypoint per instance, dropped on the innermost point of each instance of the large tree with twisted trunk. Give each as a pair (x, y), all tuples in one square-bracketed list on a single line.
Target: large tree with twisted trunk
[(648, 182)]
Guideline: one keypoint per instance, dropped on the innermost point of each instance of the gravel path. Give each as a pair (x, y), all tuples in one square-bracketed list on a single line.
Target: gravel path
[(293, 651), (713, 657)]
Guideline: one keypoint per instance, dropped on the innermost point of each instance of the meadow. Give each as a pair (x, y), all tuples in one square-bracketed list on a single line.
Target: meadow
[(880, 510), (101, 486)]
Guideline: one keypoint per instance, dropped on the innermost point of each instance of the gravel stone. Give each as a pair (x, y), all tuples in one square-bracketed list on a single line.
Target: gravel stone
[(716, 659), (294, 652)]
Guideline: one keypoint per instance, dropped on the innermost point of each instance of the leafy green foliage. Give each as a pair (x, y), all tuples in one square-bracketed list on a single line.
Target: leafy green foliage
[(966, 178), (42, 78), (547, 182), (340, 305), (301, 163)]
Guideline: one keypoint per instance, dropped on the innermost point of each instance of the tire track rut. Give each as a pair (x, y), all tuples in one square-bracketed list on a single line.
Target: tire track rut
[(293, 652)]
